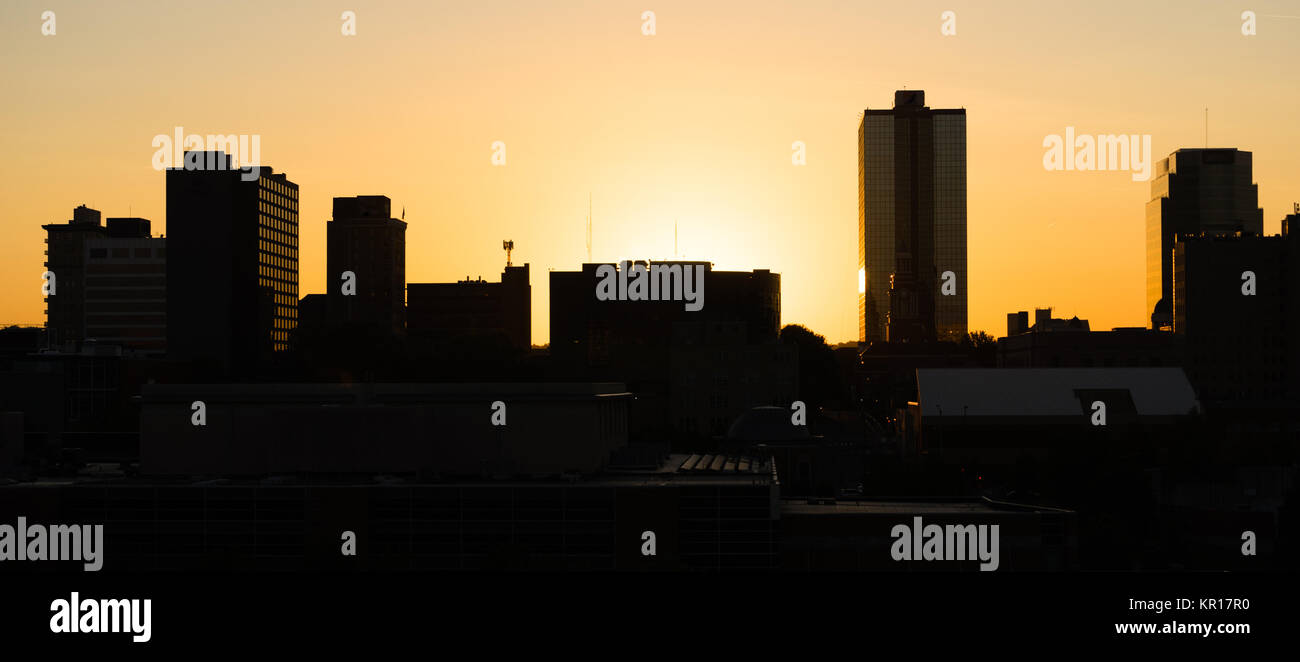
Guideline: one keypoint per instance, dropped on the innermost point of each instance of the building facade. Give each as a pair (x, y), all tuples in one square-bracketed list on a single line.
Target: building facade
[(1236, 304), (1195, 191), (109, 284), (65, 257), (450, 313), (126, 287), (912, 222), (232, 280), (363, 239)]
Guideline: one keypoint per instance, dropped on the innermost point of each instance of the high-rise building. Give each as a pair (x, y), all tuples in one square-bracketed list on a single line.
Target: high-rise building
[(1195, 192), (912, 222), (363, 239), (65, 257), (232, 269)]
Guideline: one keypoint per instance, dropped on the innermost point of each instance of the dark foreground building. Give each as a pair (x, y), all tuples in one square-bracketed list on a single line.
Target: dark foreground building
[(693, 370), (232, 276), (363, 239), (683, 513), (472, 315), (330, 429)]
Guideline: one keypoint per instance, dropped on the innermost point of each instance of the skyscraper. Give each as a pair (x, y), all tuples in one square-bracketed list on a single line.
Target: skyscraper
[(232, 268), (364, 240), (1195, 191), (912, 222)]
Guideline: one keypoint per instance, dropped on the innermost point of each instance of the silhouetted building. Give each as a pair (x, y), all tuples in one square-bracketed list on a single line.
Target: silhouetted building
[(232, 273), (704, 518), (1236, 306), (716, 376), (65, 316), (693, 371), (473, 313), (1018, 322), (110, 283), (1195, 191), (856, 534), (443, 429), (1081, 348), (593, 333), (364, 240), (912, 222), (126, 287), (997, 416), (1289, 222)]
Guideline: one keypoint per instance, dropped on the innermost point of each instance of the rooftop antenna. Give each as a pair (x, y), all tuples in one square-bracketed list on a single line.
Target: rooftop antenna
[(675, 253), (403, 212), (1207, 128), (508, 245), (588, 226)]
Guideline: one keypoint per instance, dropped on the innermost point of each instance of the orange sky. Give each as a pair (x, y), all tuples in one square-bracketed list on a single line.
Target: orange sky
[(693, 124)]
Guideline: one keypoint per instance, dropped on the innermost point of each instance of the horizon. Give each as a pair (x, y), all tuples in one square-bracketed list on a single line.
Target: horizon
[(686, 132)]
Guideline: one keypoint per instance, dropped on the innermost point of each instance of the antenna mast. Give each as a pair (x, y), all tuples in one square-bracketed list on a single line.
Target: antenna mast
[(588, 227), (508, 245)]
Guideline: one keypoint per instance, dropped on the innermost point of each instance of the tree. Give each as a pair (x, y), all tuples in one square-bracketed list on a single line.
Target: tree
[(819, 376)]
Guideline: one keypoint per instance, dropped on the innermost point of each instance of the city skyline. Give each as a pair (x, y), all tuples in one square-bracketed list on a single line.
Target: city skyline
[(718, 168)]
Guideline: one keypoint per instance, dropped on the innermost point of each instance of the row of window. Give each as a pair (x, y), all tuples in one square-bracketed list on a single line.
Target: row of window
[(127, 253)]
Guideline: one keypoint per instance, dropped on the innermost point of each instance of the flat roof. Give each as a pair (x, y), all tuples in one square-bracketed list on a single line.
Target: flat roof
[(1040, 392)]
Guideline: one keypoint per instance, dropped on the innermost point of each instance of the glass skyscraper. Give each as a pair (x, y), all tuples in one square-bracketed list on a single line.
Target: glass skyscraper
[(1194, 192), (912, 222)]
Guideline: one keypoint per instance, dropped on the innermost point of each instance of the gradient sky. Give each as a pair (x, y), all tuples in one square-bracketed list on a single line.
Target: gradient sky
[(694, 124)]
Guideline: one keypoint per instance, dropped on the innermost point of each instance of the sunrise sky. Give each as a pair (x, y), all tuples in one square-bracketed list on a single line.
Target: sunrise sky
[(693, 124)]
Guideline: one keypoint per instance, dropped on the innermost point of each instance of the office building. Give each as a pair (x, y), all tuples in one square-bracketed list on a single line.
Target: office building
[(363, 239), (65, 257), (473, 311), (232, 276), (590, 332), (1081, 348), (912, 222), (126, 287), (1236, 305), (693, 371), (1194, 191), (110, 284)]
